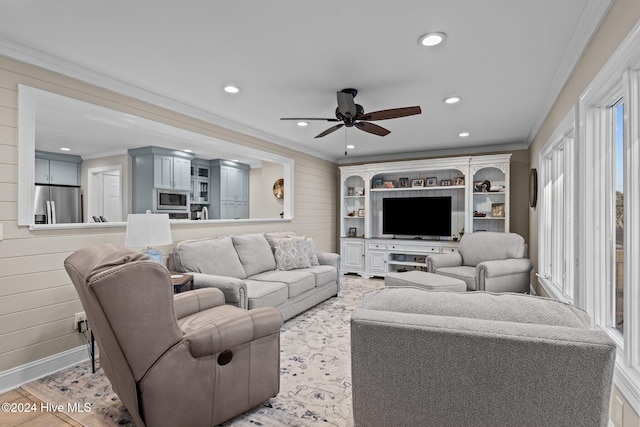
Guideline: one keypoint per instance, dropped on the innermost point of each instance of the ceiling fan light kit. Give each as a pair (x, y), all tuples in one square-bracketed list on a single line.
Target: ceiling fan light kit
[(353, 115)]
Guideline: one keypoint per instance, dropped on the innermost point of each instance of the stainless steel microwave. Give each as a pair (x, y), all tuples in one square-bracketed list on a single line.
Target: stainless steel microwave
[(171, 200)]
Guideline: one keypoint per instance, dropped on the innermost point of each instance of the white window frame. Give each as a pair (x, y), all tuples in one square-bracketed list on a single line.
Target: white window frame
[(618, 77), (556, 211)]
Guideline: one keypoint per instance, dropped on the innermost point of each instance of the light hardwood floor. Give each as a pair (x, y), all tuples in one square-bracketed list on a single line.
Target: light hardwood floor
[(37, 418)]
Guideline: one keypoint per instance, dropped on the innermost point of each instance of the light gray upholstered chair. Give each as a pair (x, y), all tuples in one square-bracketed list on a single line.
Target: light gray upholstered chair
[(487, 261), (188, 360), (451, 359)]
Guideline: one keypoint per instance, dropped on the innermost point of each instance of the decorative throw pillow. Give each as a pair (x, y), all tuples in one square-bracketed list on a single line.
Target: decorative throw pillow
[(291, 253), (270, 235), (311, 251)]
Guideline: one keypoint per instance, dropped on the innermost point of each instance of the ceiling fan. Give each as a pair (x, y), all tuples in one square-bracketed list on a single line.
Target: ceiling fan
[(352, 114)]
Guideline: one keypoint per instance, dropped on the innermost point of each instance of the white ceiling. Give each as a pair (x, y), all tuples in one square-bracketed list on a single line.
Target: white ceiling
[(507, 59)]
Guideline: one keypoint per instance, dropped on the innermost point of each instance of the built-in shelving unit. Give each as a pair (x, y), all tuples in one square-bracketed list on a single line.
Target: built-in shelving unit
[(366, 250)]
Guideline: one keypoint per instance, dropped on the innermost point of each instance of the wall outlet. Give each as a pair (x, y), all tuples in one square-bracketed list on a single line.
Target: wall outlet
[(79, 317)]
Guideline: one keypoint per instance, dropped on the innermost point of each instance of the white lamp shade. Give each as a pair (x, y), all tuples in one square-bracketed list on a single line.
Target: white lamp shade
[(147, 230)]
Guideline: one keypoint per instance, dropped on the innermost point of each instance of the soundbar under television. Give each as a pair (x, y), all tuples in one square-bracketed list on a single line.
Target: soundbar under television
[(417, 216)]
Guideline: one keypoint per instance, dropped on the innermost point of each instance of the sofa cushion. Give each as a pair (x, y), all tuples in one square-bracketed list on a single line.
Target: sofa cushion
[(254, 252), (310, 248), (298, 281), (291, 253), (463, 272), (209, 256), (266, 294), (324, 274)]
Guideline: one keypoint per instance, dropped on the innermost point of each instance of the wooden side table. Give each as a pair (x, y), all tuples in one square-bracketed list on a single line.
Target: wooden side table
[(180, 280)]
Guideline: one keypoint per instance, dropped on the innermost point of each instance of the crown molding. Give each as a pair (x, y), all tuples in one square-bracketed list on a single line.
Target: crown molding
[(592, 16), (27, 55)]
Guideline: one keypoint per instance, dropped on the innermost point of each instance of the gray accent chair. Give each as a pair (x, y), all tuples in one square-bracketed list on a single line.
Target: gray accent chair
[(449, 359), (487, 261), (183, 360)]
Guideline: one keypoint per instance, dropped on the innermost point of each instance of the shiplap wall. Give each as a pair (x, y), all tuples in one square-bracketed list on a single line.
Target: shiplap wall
[(37, 300)]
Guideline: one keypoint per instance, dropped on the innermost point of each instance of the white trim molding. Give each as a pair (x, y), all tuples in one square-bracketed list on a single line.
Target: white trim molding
[(14, 378), (619, 79)]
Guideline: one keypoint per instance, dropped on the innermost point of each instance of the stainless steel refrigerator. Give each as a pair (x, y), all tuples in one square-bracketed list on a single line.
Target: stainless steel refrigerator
[(57, 204)]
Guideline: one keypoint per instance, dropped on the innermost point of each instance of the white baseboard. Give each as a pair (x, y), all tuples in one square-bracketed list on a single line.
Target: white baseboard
[(15, 377)]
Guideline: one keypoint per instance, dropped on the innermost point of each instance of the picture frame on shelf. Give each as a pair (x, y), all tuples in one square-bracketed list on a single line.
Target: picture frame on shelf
[(351, 191), (389, 184), (432, 181), (497, 210), (417, 183), (404, 182), (479, 187), (352, 232), (458, 181), (361, 212), (377, 182), (445, 182)]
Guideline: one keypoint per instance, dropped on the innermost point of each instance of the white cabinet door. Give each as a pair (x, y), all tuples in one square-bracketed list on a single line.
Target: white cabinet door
[(352, 255), (63, 173), (42, 171), (377, 262), (163, 172), (181, 173)]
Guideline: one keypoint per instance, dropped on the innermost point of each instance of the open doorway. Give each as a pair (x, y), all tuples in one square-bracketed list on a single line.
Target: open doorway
[(105, 193)]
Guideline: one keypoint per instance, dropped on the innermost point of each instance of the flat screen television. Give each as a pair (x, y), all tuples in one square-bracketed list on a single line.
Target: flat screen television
[(417, 216)]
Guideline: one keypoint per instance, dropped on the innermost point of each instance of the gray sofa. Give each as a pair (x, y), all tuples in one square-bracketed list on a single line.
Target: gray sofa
[(279, 270), (428, 358)]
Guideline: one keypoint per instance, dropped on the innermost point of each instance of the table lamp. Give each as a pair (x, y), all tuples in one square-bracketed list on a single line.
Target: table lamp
[(147, 230)]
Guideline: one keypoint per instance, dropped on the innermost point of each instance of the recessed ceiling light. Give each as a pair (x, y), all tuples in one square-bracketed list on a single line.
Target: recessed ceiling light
[(231, 89), (302, 124), (464, 134), (431, 39), (351, 146), (65, 149), (188, 151), (452, 100)]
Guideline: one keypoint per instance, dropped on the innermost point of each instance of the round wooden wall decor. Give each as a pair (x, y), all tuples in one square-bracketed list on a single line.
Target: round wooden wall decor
[(533, 187)]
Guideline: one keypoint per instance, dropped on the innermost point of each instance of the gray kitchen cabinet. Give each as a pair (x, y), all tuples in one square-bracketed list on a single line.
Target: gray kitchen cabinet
[(229, 190), (57, 169), (173, 173), (157, 168)]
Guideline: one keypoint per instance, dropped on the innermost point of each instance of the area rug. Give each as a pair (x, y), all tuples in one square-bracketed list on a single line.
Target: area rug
[(315, 373)]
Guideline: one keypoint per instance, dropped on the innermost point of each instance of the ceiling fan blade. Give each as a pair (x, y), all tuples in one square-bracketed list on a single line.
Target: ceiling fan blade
[(331, 129), (346, 104), (310, 118), (392, 113), (371, 128)]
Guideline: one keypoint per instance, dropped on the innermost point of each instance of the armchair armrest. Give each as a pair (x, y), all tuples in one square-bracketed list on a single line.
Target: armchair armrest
[(188, 303), (232, 329), (234, 290), (436, 261), (329, 258), (504, 275), (504, 267)]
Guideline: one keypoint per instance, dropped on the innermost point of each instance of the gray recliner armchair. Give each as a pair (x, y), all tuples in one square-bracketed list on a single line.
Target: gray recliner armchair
[(188, 360), (487, 261)]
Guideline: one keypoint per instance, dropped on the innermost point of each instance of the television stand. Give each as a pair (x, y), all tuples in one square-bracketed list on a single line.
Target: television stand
[(383, 256)]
